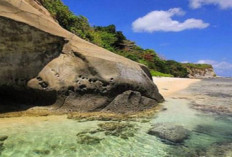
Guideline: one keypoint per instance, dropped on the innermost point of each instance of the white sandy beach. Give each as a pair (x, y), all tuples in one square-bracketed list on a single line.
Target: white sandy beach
[(169, 86)]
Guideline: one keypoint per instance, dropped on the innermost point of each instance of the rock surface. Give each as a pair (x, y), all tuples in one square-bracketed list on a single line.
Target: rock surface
[(130, 101), (170, 132), (42, 64), (201, 73)]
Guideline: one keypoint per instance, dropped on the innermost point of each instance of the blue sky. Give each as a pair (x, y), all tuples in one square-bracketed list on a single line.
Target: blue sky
[(183, 30)]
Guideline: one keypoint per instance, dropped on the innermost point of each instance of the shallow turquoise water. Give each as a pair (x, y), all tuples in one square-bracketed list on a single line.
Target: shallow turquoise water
[(211, 133), (58, 138)]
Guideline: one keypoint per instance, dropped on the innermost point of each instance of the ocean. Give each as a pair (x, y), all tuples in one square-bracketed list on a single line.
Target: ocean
[(205, 109)]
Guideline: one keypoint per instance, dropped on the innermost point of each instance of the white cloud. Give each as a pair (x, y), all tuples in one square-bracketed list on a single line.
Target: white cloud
[(185, 62), (222, 68), (206, 62), (223, 4), (162, 21)]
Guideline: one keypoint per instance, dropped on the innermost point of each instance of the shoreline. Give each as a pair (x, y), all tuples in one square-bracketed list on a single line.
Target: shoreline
[(169, 86)]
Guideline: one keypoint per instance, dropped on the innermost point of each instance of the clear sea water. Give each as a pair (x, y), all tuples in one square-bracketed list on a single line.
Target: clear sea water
[(56, 136)]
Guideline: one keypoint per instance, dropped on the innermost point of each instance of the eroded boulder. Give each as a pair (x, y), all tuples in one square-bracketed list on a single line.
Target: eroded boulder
[(52, 67), (130, 101), (170, 132)]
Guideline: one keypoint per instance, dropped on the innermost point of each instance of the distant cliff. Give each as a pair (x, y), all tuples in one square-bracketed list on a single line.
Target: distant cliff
[(200, 70)]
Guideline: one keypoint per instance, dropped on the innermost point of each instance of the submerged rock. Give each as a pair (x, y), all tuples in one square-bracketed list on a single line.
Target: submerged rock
[(42, 64), (220, 150), (170, 132), (84, 138), (1, 146), (111, 126), (117, 129), (3, 138), (215, 109), (183, 151), (122, 130), (42, 152)]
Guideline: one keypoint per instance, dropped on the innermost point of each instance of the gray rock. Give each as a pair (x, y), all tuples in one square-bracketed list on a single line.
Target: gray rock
[(42, 64), (170, 132), (130, 101)]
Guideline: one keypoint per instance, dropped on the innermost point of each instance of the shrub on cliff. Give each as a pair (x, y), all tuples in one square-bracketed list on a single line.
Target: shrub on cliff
[(79, 25), (197, 66), (176, 69)]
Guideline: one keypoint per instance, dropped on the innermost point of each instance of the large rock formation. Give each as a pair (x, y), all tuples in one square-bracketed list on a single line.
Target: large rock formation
[(42, 64), (201, 73)]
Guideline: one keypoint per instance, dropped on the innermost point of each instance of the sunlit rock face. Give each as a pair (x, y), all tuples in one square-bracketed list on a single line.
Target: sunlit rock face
[(201, 73), (44, 65)]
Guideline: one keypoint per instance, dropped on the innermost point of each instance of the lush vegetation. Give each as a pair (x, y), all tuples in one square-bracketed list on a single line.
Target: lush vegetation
[(197, 66), (157, 73), (108, 37), (76, 24)]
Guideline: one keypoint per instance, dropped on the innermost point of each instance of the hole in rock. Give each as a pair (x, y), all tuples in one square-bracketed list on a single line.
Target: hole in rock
[(82, 86)]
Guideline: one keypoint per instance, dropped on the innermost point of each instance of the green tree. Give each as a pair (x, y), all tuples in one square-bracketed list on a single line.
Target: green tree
[(78, 25)]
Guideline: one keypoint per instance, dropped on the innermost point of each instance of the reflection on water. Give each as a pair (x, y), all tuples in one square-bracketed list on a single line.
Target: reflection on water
[(211, 135)]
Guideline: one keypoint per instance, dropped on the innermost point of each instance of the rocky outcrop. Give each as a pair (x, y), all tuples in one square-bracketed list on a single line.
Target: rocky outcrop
[(169, 132), (201, 73), (42, 64)]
